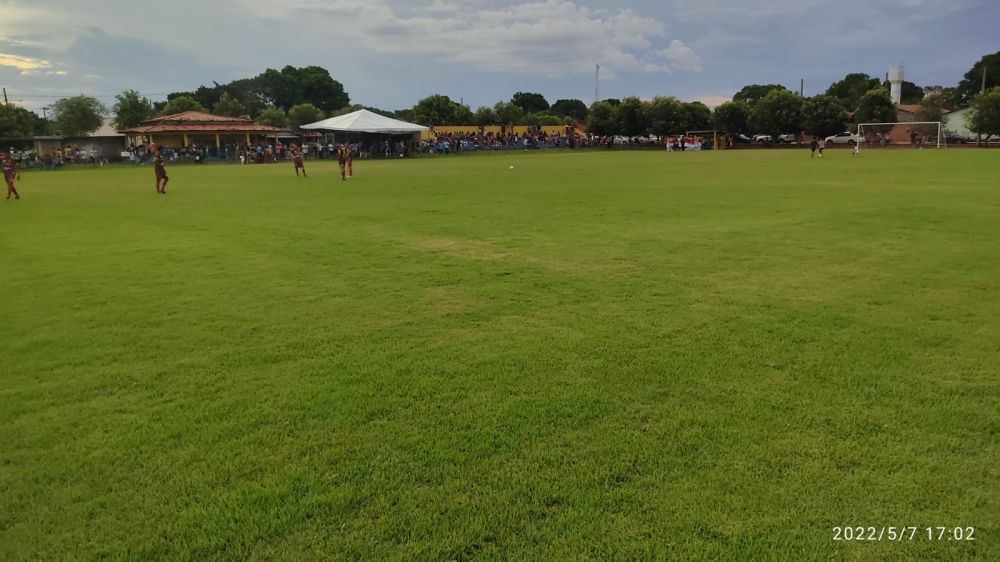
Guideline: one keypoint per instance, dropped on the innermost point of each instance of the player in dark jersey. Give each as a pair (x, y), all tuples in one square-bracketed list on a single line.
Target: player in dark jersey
[(342, 155), (297, 161), (9, 173), (161, 175)]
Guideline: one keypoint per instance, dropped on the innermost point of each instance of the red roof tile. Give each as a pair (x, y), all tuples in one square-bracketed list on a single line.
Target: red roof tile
[(198, 122)]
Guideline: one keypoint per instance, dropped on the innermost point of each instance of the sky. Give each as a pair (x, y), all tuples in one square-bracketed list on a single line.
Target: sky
[(391, 53)]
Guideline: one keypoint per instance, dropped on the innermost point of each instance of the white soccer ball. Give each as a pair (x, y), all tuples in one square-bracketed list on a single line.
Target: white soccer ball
[(510, 168)]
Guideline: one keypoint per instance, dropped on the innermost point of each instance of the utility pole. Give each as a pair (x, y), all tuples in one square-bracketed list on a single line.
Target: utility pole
[(982, 89), (597, 83), (802, 87), (8, 103)]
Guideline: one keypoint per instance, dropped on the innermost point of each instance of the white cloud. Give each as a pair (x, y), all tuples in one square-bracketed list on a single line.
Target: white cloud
[(24, 64), (680, 56)]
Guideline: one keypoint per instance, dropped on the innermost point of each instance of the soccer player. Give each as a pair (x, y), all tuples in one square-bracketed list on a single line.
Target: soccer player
[(812, 148), (297, 161), (854, 150), (350, 161), (342, 154), (161, 175), (820, 146), (9, 173)]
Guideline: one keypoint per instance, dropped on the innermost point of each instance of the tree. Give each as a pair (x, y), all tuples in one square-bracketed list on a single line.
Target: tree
[(544, 118), (753, 93), (663, 115), (273, 116), (876, 107), (181, 104), (932, 108), (985, 117), (972, 83), (851, 87), (508, 113), (910, 93), (485, 115), (310, 84), (303, 114), (229, 106), (530, 102), (131, 109), (631, 117), (78, 115), (731, 118), (16, 122), (779, 113), (570, 108), (602, 119), (436, 110), (695, 116), (823, 116)]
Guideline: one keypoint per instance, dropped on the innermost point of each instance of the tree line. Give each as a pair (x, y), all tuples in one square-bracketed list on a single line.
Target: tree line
[(291, 97)]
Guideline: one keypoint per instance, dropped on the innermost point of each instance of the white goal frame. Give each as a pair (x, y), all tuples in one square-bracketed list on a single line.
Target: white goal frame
[(940, 129)]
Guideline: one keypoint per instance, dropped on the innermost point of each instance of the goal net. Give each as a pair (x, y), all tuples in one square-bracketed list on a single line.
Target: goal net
[(916, 134)]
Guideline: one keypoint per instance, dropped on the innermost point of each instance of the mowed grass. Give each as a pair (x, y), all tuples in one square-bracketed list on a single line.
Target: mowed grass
[(597, 356)]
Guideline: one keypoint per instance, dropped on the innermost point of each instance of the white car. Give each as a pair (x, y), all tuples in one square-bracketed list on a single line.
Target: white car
[(846, 137)]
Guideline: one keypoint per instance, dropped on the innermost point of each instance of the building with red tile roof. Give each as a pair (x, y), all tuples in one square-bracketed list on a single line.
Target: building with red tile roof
[(195, 127)]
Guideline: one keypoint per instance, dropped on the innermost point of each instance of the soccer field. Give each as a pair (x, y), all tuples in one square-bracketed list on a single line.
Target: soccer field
[(595, 356)]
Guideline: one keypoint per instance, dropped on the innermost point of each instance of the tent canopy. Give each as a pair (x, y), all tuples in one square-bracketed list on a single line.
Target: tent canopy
[(364, 121)]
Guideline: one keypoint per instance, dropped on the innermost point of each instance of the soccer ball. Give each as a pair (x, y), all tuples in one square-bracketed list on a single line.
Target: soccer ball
[(510, 168)]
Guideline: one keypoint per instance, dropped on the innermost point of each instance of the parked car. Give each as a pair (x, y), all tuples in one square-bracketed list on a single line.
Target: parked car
[(952, 138), (846, 137), (762, 139), (787, 138)]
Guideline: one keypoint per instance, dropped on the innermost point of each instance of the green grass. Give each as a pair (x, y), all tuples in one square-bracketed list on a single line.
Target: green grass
[(598, 356)]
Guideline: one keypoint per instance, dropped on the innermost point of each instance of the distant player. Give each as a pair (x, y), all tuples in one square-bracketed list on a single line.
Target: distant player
[(9, 174), (812, 148), (820, 146), (350, 161), (855, 150), (297, 161), (161, 175), (342, 154)]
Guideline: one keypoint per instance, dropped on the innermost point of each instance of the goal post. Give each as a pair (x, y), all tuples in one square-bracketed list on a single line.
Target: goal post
[(714, 133), (925, 127)]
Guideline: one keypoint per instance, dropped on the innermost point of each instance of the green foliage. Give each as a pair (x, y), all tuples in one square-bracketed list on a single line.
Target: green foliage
[(603, 118), (570, 108), (985, 117), (851, 88), (823, 116), (910, 92), (311, 84), (932, 108), (181, 104), (78, 115), (485, 115), (131, 108), (876, 107), (509, 114), (663, 116), (228, 106), (778, 113), (630, 117), (731, 117), (273, 116), (695, 116), (16, 122), (303, 114), (972, 83), (544, 118), (530, 102), (441, 110), (753, 93)]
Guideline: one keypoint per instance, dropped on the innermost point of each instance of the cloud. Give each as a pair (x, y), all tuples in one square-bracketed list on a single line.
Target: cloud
[(680, 56), (545, 37), (24, 64)]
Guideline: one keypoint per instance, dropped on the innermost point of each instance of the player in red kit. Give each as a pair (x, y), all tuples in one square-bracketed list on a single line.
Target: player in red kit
[(297, 161), (9, 173), (350, 161), (343, 153), (161, 175)]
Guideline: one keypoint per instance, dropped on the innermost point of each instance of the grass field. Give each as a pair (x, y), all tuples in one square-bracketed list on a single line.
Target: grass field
[(597, 356)]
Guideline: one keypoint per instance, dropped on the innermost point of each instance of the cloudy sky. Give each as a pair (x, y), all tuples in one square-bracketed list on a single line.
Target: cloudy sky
[(390, 53)]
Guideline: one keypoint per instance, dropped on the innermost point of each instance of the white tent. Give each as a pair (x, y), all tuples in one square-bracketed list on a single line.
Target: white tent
[(364, 121)]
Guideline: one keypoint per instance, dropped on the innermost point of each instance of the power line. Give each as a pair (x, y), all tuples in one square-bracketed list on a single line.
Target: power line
[(49, 96)]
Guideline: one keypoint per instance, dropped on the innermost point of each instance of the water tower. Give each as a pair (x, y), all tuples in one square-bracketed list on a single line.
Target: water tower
[(896, 82)]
